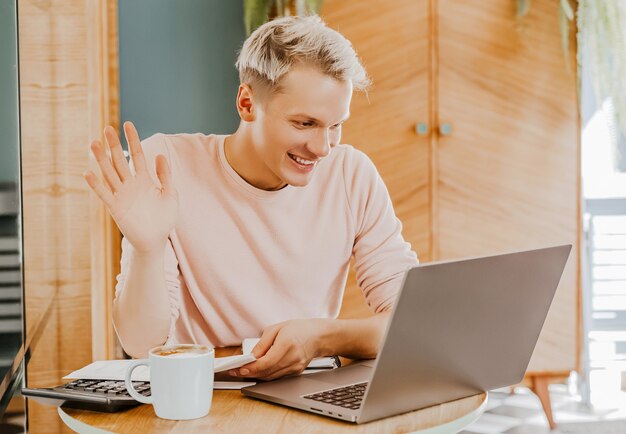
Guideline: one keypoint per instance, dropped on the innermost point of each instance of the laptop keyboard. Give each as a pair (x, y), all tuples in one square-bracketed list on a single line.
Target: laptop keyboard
[(347, 396)]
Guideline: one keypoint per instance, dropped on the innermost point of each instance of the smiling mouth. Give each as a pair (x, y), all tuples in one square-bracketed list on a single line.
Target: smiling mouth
[(301, 161)]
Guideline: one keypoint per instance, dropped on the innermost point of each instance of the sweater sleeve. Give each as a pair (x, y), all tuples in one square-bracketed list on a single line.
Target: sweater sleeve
[(153, 146), (172, 278), (381, 255)]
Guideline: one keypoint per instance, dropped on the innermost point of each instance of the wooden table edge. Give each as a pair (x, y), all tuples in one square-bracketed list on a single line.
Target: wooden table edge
[(79, 420)]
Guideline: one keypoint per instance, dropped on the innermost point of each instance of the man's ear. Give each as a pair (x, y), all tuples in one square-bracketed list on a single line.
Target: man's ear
[(246, 104)]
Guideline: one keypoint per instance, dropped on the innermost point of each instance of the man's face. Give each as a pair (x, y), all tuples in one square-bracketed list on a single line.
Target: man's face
[(297, 127)]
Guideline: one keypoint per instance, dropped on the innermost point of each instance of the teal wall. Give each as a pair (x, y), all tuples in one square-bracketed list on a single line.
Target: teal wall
[(177, 64), (9, 146)]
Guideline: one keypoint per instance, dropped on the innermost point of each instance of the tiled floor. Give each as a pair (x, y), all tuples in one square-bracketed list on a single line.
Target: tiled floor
[(521, 412)]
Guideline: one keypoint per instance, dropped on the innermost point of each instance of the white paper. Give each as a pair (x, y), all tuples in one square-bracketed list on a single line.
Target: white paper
[(321, 362), (232, 362), (116, 369), (109, 370)]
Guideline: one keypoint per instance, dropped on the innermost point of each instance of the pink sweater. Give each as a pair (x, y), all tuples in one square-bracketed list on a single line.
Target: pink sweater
[(241, 259)]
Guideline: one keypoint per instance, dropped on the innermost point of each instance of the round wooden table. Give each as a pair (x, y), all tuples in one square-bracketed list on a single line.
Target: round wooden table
[(231, 411)]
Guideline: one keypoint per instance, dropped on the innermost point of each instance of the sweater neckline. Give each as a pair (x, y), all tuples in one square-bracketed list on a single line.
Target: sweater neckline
[(242, 183)]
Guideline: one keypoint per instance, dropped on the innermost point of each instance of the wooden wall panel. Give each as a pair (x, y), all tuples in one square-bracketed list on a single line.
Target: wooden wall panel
[(507, 175), (393, 43), (61, 107)]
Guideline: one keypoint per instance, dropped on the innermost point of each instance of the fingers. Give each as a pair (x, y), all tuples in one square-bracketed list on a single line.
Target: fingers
[(109, 173), (103, 193), (266, 341), (163, 173), (134, 145), (267, 355), (267, 365), (117, 153)]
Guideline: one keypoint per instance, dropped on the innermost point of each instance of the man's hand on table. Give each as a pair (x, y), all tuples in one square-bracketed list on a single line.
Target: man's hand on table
[(286, 348)]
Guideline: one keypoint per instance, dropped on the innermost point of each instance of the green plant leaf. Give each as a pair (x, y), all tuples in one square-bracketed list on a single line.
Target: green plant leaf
[(314, 5), (604, 35), (523, 6), (280, 7), (567, 9), (564, 25), (255, 13), (300, 7), (601, 26)]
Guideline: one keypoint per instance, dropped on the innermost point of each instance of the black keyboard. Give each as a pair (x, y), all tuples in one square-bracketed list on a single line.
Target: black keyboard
[(96, 395), (346, 396)]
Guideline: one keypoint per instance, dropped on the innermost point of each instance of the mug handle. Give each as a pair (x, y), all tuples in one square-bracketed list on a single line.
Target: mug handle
[(129, 385)]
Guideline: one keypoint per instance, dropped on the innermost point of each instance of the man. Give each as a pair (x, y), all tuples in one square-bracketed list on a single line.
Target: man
[(228, 237)]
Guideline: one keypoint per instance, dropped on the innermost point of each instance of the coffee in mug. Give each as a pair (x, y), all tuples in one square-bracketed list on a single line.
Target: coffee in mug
[(181, 351), (181, 381)]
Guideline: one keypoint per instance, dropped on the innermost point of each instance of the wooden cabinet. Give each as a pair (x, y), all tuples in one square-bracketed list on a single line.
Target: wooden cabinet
[(504, 175), (394, 42)]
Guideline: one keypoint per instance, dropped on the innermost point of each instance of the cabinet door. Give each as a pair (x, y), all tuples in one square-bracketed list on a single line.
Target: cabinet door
[(507, 173), (392, 39)]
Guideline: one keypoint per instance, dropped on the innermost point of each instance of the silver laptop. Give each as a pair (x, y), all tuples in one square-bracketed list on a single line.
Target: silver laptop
[(458, 328)]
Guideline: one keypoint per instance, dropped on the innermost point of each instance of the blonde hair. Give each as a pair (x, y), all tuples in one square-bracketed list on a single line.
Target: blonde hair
[(273, 48)]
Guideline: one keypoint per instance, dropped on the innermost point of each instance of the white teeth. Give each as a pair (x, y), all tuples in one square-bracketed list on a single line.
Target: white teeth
[(301, 161)]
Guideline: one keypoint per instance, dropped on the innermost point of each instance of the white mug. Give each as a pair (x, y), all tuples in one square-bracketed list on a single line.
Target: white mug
[(181, 381)]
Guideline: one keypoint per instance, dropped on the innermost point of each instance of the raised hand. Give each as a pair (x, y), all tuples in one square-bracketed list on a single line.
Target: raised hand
[(145, 212)]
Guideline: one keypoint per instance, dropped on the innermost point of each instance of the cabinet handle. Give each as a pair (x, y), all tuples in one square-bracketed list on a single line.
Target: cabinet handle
[(421, 128), (445, 129)]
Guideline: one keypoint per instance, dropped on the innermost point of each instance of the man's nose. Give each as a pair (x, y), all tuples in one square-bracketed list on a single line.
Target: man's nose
[(321, 145)]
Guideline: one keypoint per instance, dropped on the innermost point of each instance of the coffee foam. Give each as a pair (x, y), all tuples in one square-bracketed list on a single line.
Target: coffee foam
[(181, 352)]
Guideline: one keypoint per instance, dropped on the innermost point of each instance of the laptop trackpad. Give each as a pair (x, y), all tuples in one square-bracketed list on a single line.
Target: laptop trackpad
[(293, 388)]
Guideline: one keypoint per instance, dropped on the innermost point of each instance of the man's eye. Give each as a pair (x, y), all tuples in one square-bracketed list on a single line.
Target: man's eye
[(306, 124)]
